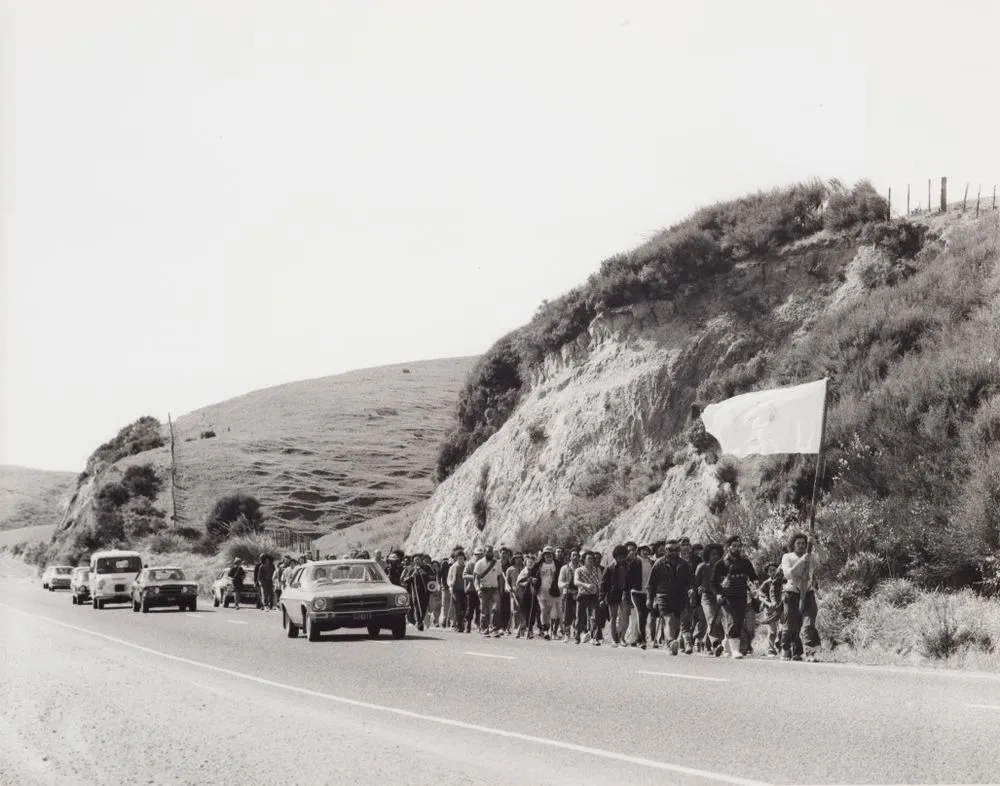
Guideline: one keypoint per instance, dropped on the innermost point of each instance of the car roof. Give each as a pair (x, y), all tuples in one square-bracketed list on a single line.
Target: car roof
[(114, 553), (53, 567), (164, 567), (327, 562)]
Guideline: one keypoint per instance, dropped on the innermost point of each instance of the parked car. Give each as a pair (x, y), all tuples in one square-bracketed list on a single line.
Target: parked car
[(345, 593), (222, 591), (79, 586), (111, 576), (56, 577), (164, 586)]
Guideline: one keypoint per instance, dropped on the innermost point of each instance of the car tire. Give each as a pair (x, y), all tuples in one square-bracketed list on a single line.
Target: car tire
[(399, 629), (135, 604), (74, 600), (193, 606), (144, 605), (291, 629), (374, 631), (215, 600), (51, 588), (310, 629)]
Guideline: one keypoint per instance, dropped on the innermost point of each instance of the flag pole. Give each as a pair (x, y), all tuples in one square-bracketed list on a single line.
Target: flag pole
[(815, 494)]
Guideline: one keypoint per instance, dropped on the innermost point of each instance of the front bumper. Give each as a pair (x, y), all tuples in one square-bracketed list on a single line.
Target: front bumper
[(330, 620), (170, 600), (59, 583)]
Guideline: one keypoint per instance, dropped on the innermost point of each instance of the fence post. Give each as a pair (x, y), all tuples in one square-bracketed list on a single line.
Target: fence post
[(173, 472), (979, 193), (888, 216), (944, 195), (929, 208), (966, 197), (907, 199)]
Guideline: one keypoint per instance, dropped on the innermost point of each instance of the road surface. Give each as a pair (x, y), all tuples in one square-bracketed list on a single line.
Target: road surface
[(222, 696)]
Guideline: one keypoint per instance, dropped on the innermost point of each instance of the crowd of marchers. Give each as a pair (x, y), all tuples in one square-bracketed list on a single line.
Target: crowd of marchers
[(680, 596)]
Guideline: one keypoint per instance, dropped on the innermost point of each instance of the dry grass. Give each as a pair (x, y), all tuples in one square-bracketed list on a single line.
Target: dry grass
[(32, 497), (384, 532), (41, 533)]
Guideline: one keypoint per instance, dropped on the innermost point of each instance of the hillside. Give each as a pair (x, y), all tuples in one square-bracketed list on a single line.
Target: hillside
[(319, 454), (33, 497), (577, 428)]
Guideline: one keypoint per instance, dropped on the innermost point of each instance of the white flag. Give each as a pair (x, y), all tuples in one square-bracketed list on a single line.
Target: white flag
[(782, 420)]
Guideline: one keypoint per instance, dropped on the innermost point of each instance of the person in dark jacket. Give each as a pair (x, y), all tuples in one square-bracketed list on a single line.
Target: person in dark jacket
[(730, 582), (614, 586), (415, 579), (395, 568), (265, 581), (709, 603), (671, 585), (637, 578), (692, 627), (237, 574)]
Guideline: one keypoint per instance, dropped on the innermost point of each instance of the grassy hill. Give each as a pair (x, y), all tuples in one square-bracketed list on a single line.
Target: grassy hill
[(319, 455), (32, 497)]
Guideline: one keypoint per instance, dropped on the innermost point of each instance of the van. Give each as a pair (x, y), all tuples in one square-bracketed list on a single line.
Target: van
[(111, 576)]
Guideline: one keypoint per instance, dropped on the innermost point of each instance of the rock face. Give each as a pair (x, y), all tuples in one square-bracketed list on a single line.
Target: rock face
[(617, 396)]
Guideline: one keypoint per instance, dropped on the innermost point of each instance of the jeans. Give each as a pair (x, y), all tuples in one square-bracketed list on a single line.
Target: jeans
[(267, 595), (586, 616), (458, 607), (472, 609), (799, 622), (446, 618), (642, 613), (713, 619), (548, 608), (735, 610), (616, 613), (504, 612), (568, 603), (487, 605)]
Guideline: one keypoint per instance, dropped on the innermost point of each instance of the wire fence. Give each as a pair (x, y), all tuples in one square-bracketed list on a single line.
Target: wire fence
[(937, 200)]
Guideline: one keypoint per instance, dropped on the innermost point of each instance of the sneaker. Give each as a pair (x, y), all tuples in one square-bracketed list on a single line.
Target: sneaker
[(586, 637), (688, 651), (797, 657), (642, 646), (719, 650), (674, 647), (786, 656), (737, 655), (597, 642), (656, 645)]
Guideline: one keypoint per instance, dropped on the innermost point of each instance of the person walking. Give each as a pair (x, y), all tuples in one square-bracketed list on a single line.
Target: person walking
[(265, 582), (547, 590), (237, 574), (670, 587), (588, 587), (709, 603), (486, 579), (527, 584), (799, 600), (613, 589), (515, 592), (730, 579), (456, 586), (637, 580), (568, 592), (473, 613)]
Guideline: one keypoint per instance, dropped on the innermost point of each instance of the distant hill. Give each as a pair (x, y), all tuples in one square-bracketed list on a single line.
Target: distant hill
[(33, 497), (320, 454)]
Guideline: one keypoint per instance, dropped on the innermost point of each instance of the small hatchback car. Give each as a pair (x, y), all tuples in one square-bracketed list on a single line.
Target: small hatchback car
[(79, 586), (56, 577), (164, 586)]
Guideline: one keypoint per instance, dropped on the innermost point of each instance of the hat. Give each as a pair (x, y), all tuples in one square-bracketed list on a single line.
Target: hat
[(645, 546), (548, 550), (237, 560), (393, 557)]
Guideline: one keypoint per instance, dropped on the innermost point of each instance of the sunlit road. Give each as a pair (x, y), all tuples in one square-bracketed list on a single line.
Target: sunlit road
[(222, 696)]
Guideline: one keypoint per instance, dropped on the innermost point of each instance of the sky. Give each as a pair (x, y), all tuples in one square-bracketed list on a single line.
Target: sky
[(200, 199)]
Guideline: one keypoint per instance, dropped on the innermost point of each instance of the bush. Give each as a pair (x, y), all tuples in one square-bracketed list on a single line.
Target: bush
[(249, 548), (138, 437), (166, 543), (141, 480), (140, 519), (234, 514), (206, 434), (862, 204), (188, 533), (536, 433), (898, 593), (727, 471)]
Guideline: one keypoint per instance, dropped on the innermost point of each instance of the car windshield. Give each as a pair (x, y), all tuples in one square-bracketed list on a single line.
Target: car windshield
[(166, 574), (64, 571), (344, 574), (119, 565), (82, 574)]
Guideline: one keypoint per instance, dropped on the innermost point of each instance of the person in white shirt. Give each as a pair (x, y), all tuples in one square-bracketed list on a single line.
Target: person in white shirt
[(799, 568), (486, 577), (567, 590)]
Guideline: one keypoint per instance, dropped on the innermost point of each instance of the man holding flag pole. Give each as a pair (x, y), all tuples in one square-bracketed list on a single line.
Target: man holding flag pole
[(781, 420)]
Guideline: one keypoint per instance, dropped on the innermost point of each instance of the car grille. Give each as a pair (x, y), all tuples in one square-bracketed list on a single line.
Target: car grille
[(119, 588), (171, 589), (363, 603)]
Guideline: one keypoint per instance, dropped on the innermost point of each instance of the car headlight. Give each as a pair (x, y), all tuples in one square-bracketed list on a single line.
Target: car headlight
[(319, 604), (100, 584), (189, 589), (154, 590), (402, 600)]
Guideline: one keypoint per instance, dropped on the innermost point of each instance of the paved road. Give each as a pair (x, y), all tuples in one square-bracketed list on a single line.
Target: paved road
[(168, 697)]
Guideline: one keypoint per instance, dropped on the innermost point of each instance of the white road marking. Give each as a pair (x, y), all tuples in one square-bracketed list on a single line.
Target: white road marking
[(488, 655), (682, 676), (638, 761), (984, 706), (237, 622)]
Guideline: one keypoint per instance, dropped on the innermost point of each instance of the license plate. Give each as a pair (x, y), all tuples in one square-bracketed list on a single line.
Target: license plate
[(361, 615)]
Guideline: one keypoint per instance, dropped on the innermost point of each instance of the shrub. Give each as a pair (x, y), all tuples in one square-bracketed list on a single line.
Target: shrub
[(140, 519), (860, 205), (234, 514), (249, 548), (138, 437), (141, 480), (112, 495), (166, 543), (536, 433), (898, 593), (206, 434), (480, 509), (727, 471), (188, 533)]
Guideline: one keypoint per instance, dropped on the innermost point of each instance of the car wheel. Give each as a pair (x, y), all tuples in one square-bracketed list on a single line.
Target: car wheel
[(291, 629), (310, 628), (399, 629), (373, 631), (144, 605), (51, 588), (193, 606), (215, 600)]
